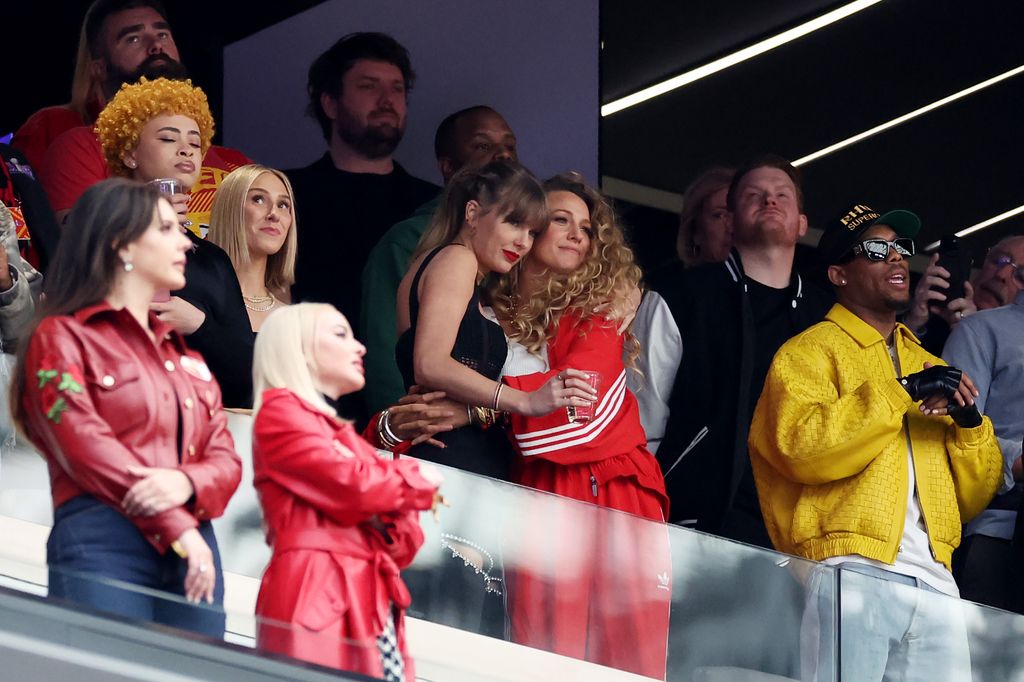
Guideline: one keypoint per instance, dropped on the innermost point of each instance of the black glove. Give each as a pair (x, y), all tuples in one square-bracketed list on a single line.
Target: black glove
[(967, 416), (938, 380)]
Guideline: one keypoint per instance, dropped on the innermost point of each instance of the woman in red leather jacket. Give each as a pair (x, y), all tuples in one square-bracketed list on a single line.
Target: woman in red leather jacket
[(341, 521), (128, 418)]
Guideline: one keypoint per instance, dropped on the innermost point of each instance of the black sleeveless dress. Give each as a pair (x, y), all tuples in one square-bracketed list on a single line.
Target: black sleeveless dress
[(480, 345)]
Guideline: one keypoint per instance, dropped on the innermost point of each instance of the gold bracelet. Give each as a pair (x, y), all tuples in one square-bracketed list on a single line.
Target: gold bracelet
[(497, 395), (178, 549), (484, 417)]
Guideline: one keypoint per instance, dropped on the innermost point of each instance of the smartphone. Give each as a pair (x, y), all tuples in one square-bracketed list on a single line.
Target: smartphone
[(958, 262)]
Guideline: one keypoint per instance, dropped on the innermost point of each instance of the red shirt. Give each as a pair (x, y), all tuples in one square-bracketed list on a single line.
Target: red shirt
[(36, 134), (100, 396)]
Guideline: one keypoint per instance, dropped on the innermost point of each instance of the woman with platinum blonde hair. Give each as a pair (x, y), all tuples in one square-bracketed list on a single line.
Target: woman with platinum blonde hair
[(253, 221), (341, 521)]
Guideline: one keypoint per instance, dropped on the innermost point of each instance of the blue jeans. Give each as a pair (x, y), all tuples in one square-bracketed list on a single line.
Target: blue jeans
[(892, 628), (92, 544)]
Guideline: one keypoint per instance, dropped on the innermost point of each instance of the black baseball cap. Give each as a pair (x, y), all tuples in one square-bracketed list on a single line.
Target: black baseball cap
[(846, 230)]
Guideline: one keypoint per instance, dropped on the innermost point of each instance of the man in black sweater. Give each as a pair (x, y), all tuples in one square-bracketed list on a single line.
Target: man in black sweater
[(708, 335), (347, 199), (356, 191)]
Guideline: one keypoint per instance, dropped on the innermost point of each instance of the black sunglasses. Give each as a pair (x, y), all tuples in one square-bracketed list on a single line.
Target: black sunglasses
[(878, 249)]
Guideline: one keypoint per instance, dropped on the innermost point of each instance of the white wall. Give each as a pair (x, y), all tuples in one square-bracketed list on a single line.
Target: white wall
[(534, 61)]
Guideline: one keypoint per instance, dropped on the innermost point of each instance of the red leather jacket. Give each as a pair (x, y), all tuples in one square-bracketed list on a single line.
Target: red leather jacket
[(101, 396), (333, 574)]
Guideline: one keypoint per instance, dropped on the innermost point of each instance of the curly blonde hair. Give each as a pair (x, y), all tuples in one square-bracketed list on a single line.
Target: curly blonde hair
[(607, 278), (135, 104)]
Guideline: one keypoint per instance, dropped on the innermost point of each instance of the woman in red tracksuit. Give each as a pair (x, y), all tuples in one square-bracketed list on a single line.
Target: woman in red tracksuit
[(564, 309), (341, 521)]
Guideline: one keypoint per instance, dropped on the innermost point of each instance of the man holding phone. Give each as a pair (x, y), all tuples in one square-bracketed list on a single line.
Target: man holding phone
[(933, 313), (988, 347)]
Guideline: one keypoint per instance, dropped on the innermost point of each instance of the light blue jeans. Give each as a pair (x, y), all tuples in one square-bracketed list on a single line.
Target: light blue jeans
[(892, 628)]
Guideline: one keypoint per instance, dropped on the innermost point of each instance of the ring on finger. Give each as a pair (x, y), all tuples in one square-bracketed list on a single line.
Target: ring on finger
[(203, 568)]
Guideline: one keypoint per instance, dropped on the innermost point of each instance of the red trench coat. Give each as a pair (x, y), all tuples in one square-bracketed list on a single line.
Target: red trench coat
[(334, 573)]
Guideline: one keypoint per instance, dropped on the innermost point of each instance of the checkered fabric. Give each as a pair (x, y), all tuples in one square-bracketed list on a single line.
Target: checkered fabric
[(390, 656)]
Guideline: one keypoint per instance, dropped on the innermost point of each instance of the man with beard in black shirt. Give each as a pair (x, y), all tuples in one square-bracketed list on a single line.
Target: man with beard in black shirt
[(356, 191)]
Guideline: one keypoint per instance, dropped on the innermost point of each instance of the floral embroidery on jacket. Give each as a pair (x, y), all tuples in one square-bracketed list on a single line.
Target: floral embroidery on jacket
[(53, 382)]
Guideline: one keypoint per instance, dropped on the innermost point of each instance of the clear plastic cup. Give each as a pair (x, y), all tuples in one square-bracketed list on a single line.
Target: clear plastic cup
[(580, 414), (168, 185)]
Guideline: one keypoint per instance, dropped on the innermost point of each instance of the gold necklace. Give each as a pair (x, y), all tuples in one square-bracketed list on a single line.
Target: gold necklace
[(259, 304)]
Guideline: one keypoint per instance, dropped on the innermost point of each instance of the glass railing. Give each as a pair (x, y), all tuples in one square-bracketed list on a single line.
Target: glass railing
[(61, 638), (515, 581), (912, 633), (608, 587)]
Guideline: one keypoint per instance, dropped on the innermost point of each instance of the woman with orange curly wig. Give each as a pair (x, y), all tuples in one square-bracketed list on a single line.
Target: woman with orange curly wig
[(157, 129), (564, 308), (162, 129)]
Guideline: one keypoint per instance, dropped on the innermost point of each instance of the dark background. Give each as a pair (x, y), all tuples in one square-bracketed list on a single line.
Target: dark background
[(955, 166)]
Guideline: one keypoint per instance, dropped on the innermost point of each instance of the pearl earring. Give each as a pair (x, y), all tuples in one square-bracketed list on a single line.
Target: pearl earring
[(844, 282), (128, 267)]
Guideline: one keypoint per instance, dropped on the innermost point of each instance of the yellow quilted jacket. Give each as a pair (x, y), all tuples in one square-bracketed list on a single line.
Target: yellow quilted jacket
[(828, 446)]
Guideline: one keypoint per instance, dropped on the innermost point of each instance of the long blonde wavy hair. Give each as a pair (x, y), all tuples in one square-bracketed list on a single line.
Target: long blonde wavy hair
[(606, 280)]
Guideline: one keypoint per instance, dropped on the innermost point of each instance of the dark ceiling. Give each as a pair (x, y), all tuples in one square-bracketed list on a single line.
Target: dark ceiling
[(955, 166)]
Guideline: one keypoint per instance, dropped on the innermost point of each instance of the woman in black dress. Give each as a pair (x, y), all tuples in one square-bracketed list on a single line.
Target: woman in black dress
[(486, 223)]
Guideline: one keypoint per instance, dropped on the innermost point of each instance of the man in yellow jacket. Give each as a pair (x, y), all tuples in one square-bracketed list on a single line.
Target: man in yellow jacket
[(869, 453)]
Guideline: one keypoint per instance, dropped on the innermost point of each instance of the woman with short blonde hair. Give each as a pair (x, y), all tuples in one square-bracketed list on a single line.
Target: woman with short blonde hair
[(341, 521)]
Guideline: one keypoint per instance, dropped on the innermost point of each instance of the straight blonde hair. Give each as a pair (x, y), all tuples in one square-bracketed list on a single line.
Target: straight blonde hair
[(227, 225), (284, 357)]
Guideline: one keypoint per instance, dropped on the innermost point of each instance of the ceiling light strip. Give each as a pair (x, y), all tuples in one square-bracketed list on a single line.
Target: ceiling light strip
[(736, 57), (982, 225), (906, 117)]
